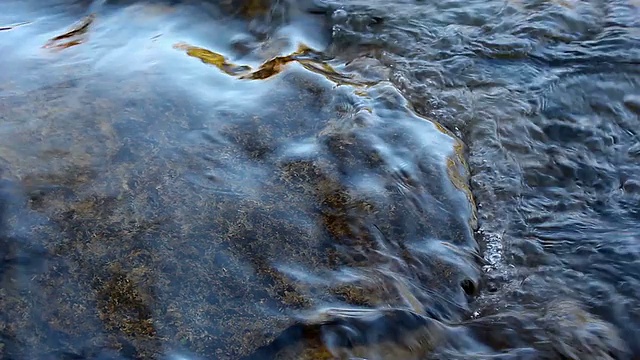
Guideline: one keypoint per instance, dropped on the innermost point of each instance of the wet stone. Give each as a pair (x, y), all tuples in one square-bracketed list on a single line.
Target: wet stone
[(169, 220)]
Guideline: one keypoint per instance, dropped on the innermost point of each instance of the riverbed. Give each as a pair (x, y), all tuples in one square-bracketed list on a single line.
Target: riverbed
[(262, 179)]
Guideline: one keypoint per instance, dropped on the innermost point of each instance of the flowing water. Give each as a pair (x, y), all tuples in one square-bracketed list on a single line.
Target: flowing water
[(255, 179)]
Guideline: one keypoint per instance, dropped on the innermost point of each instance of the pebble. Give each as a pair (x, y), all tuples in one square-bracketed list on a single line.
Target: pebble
[(631, 186), (339, 16), (632, 102)]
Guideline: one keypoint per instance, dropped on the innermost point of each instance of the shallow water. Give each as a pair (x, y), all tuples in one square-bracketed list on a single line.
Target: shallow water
[(353, 179)]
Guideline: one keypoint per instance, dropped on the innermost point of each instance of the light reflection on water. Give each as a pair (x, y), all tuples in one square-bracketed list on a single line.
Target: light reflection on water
[(191, 179)]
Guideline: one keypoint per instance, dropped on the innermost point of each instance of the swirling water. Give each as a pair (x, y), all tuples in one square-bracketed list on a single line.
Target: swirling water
[(339, 179)]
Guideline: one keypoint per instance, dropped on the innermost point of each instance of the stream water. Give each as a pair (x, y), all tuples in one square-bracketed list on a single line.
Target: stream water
[(279, 179)]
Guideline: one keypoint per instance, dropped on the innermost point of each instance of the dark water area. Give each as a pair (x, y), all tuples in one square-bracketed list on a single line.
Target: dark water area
[(255, 179)]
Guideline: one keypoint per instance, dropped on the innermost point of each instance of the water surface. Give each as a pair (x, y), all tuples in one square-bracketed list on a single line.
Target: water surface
[(353, 179)]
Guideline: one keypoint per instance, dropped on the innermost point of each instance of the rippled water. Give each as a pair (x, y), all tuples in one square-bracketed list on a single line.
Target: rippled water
[(298, 179)]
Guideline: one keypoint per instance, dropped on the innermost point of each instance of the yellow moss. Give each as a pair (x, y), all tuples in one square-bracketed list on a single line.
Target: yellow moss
[(76, 32), (253, 8), (456, 165), (304, 55), (212, 58)]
